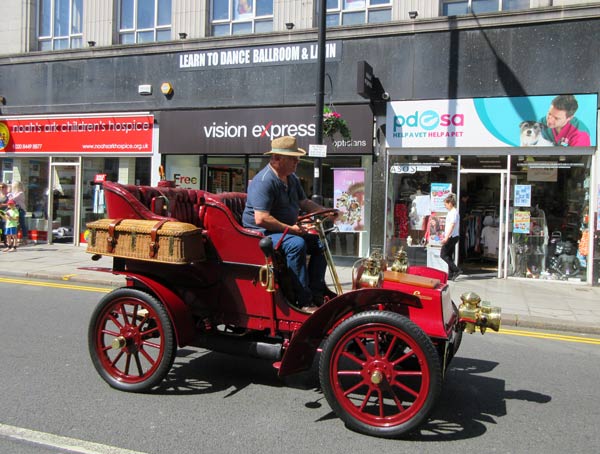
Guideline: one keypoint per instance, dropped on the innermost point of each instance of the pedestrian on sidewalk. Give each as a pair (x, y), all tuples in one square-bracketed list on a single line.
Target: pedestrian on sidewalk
[(3, 207), (451, 237), (18, 196), (11, 217)]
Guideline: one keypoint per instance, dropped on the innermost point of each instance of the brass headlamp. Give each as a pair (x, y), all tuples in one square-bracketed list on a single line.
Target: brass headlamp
[(476, 313)]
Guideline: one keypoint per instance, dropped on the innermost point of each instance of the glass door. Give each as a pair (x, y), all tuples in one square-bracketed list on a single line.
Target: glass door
[(482, 208), (63, 203)]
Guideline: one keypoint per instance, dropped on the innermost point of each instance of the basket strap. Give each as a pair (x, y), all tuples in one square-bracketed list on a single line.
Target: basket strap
[(153, 237), (112, 239)]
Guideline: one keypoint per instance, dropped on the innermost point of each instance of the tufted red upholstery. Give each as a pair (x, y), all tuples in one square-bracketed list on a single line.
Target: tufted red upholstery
[(219, 214), (235, 201)]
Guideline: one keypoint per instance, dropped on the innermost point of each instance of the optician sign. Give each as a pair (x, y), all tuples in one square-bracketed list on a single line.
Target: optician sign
[(488, 122), (250, 131), (53, 134)]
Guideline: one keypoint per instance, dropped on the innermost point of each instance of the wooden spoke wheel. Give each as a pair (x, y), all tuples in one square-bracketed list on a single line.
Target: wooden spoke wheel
[(131, 340), (380, 373)]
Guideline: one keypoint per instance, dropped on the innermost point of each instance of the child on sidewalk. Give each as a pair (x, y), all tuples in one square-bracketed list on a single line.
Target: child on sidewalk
[(11, 216)]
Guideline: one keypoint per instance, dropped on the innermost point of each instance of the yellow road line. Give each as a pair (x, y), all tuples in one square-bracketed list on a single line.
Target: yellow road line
[(54, 285), (540, 335), (508, 332)]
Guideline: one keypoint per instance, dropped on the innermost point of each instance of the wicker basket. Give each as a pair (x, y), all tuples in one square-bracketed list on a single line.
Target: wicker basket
[(158, 241)]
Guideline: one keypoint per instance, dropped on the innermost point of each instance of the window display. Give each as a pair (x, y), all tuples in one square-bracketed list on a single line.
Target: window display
[(417, 187), (549, 217)]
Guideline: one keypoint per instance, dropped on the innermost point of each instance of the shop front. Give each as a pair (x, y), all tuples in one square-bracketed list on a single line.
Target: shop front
[(57, 158), (524, 208), (222, 150)]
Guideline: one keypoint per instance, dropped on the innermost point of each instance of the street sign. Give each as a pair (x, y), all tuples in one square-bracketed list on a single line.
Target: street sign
[(317, 151)]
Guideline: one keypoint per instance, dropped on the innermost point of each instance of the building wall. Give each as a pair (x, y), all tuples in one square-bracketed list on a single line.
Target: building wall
[(99, 19), (456, 63), (18, 33), (500, 54)]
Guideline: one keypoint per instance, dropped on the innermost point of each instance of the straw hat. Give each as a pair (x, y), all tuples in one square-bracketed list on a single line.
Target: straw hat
[(286, 146)]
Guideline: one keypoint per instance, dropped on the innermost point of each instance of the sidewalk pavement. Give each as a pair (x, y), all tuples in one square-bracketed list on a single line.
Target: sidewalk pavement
[(525, 303)]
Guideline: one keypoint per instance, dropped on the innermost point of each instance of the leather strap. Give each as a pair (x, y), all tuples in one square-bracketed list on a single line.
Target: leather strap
[(153, 237), (112, 239)]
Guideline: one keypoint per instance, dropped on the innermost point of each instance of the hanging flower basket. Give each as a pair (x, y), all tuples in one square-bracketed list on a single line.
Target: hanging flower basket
[(333, 124)]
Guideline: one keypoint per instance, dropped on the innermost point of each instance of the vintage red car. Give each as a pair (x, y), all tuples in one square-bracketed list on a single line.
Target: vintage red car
[(196, 277)]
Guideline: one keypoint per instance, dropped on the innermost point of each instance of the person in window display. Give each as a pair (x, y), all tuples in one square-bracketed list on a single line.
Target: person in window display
[(562, 127)]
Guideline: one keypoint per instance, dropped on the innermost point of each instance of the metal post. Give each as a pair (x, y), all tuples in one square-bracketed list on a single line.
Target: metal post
[(318, 183)]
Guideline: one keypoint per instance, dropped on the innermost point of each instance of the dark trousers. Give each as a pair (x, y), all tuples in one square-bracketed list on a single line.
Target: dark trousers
[(307, 283), (23, 223), (447, 254)]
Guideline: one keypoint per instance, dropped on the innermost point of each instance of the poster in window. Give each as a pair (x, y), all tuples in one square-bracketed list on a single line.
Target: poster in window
[(439, 192), (243, 9), (522, 195), (349, 198), (435, 228), (521, 222), (549, 174)]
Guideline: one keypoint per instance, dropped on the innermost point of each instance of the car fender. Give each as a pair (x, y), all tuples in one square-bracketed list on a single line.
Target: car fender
[(305, 342), (180, 315)]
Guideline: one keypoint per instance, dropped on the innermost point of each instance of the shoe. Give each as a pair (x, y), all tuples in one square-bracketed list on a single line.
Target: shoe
[(454, 276), (309, 309), (318, 300)]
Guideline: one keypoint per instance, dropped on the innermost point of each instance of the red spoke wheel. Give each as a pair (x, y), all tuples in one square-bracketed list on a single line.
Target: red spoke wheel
[(131, 340), (380, 374)]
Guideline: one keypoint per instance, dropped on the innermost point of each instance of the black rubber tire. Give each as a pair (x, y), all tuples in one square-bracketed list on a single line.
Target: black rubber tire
[(380, 374), (149, 347)]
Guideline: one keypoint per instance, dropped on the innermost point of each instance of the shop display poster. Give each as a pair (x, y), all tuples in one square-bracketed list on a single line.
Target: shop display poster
[(439, 191), (522, 195), (349, 198), (521, 222)]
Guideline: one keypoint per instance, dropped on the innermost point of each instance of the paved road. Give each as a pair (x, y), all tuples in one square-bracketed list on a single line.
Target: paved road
[(504, 393), (524, 302)]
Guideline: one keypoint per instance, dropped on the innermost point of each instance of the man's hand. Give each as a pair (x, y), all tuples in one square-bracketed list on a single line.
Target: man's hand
[(297, 229)]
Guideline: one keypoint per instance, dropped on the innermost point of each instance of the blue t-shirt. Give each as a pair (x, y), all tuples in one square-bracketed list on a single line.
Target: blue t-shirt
[(267, 192)]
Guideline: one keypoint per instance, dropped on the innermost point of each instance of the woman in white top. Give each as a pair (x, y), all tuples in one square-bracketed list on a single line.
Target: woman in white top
[(451, 237)]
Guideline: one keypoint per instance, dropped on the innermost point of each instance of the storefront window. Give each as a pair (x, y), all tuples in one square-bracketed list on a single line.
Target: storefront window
[(225, 174), (32, 173), (345, 188), (548, 222), (415, 212)]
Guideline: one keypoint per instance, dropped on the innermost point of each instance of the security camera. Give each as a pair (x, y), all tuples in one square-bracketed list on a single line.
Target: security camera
[(385, 96)]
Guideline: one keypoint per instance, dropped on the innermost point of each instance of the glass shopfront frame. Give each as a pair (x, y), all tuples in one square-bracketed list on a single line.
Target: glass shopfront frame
[(522, 216), (218, 173)]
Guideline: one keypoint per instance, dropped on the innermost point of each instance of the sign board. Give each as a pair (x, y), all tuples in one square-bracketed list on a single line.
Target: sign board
[(365, 80), (490, 123), (55, 134), (317, 151)]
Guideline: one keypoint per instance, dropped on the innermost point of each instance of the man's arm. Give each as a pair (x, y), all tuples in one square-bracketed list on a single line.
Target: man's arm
[(309, 206), (264, 220)]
